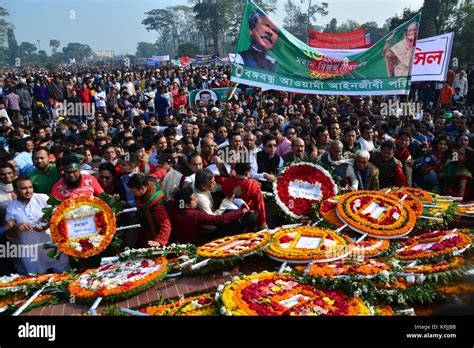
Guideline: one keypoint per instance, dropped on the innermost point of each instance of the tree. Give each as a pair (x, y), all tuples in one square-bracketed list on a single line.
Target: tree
[(160, 20), (331, 28), (42, 56), (4, 26), (406, 15), (77, 51), (349, 25), (13, 50), (187, 49), (376, 33), (145, 50), (463, 47), (55, 45), (438, 15), (298, 22), (26, 50)]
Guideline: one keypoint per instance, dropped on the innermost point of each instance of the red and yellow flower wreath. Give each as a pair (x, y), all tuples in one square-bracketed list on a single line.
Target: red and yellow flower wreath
[(433, 244), (345, 267), (19, 280), (201, 305), (442, 266), (229, 246), (332, 245), (370, 247), (83, 247), (327, 210), (118, 280), (393, 222), (411, 201), (422, 195), (302, 174), (271, 294)]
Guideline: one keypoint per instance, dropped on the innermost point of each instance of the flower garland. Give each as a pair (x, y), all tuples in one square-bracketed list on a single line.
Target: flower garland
[(15, 280), (80, 207), (370, 247), (422, 195), (307, 243), (433, 244), (271, 294), (411, 201), (327, 210), (384, 311), (465, 210), (118, 280), (346, 267), (11, 303), (241, 244), (201, 305), (300, 185), (456, 290), (375, 214), (442, 266)]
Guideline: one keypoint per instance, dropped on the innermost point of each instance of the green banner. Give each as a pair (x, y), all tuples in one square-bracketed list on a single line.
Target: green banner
[(205, 95), (271, 58)]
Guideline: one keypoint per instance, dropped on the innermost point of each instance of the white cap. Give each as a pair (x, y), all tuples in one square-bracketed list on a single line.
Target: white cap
[(214, 109)]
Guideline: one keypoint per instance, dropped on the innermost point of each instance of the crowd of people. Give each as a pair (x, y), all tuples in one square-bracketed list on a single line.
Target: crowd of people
[(199, 170)]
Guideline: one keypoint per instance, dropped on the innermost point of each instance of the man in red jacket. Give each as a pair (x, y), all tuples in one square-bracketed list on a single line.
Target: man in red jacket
[(247, 189), (156, 225), (187, 221)]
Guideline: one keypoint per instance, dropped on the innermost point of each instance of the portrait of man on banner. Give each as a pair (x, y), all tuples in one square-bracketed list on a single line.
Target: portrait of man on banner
[(206, 96), (263, 35), (399, 57)]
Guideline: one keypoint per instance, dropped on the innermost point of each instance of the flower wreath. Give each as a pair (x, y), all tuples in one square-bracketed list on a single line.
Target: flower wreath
[(308, 243), (16, 280), (271, 294), (391, 220), (201, 305), (300, 186), (370, 247), (238, 245), (86, 245), (433, 244), (345, 268), (411, 201), (422, 195), (119, 280), (442, 266), (327, 210), (15, 301)]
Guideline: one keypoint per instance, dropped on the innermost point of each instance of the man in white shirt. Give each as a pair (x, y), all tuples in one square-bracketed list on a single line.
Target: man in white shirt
[(460, 82), (100, 98), (24, 215), (129, 85), (366, 139)]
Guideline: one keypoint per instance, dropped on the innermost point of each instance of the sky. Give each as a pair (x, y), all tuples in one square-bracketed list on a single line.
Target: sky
[(116, 24)]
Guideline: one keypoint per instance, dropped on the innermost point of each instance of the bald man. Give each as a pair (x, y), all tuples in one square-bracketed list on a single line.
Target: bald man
[(343, 171)]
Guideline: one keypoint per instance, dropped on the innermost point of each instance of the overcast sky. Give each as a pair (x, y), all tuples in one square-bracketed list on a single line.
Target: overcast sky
[(116, 24)]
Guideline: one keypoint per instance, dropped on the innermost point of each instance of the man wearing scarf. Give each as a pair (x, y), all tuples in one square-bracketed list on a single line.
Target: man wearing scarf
[(155, 220)]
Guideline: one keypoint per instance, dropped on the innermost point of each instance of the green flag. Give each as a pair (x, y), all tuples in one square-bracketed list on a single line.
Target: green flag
[(271, 58)]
